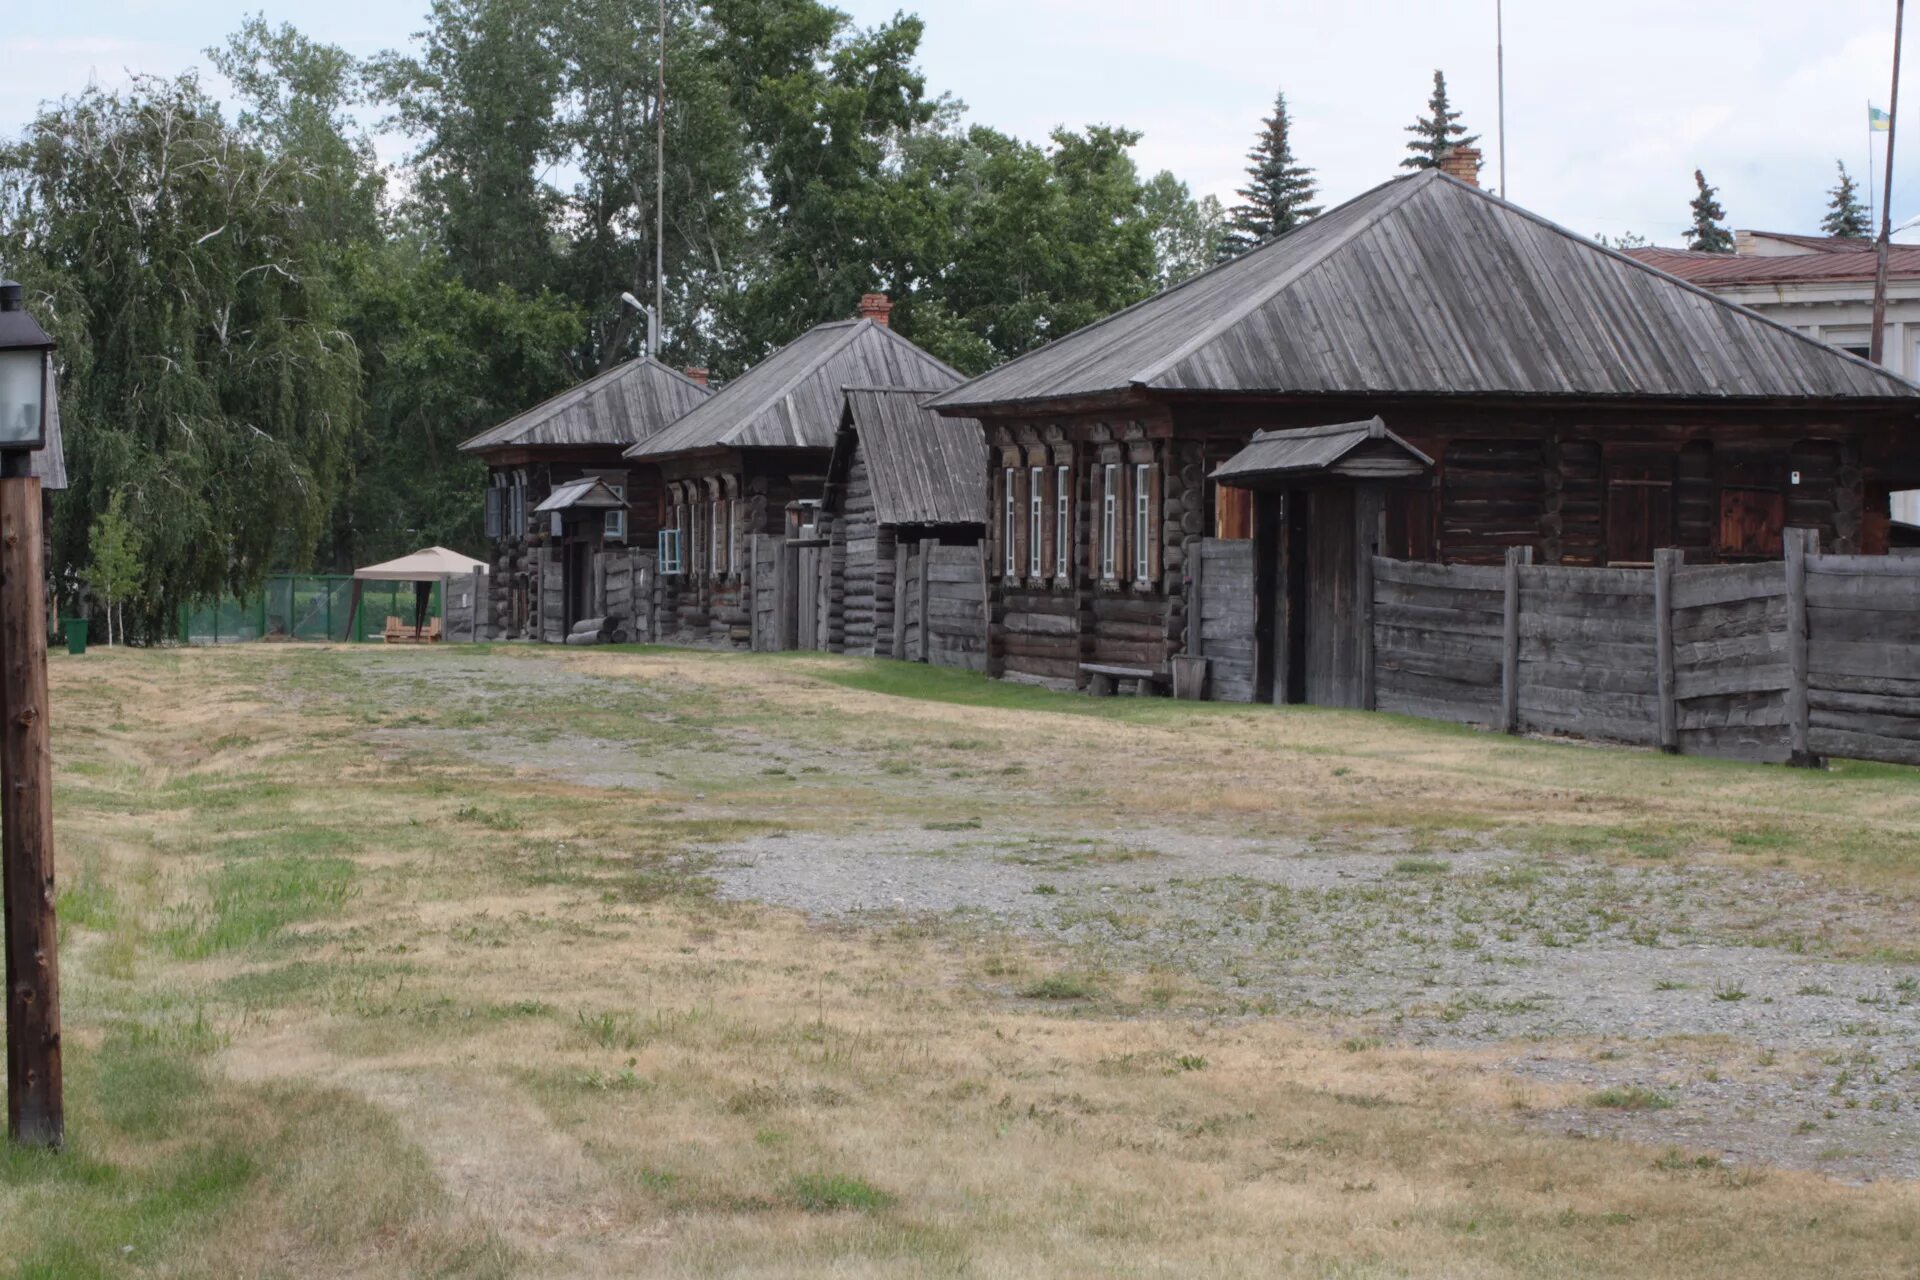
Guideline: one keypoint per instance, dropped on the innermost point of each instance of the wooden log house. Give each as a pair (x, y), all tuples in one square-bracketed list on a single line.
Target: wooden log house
[(901, 480), (1570, 400), (560, 489), (732, 467)]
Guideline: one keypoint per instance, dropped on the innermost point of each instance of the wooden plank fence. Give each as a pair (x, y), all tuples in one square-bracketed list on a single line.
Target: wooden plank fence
[(1786, 661), (1221, 628)]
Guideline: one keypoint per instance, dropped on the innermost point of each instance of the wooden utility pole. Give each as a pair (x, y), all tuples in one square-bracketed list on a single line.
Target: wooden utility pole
[(1875, 344), (660, 196), (35, 1109)]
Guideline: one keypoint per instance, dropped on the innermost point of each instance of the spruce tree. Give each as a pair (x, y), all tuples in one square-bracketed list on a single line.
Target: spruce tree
[(1706, 234), (1846, 217), (1438, 132), (1274, 201)]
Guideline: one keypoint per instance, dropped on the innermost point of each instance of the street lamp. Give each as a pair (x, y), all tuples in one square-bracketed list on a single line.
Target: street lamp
[(35, 1110), (24, 347)]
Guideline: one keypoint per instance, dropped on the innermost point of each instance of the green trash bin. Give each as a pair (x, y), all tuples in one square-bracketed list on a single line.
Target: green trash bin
[(76, 633)]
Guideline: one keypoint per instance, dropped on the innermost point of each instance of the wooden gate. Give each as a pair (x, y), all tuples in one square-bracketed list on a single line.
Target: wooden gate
[(1221, 628)]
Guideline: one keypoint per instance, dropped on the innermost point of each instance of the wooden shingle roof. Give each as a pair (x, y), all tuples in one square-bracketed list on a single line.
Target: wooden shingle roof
[(1426, 286), (794, 397), (1360, 449), (623, 406), (923, 468)]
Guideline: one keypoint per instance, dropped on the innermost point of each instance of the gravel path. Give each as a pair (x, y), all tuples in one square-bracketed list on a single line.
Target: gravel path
[(1704, 989)]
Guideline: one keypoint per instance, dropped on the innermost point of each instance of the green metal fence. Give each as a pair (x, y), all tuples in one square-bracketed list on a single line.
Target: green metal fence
[(301, 606)]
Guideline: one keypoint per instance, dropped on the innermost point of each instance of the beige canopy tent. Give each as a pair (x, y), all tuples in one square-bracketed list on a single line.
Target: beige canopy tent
[(423, 568)]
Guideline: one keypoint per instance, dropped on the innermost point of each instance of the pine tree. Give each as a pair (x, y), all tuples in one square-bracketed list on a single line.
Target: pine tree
[(1437, 133), (1274, 201), (1706, 234), (1846, 217)]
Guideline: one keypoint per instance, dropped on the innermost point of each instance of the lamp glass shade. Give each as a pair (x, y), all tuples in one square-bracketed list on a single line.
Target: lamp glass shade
[(23, 397)]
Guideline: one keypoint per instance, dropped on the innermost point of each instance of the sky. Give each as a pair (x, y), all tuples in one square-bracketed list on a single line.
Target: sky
[(1610, 107)]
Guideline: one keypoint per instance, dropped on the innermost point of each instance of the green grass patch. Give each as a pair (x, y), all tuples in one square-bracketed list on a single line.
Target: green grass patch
[(253, 902), (1061, 986), (1631, 1097), (836, 1193)]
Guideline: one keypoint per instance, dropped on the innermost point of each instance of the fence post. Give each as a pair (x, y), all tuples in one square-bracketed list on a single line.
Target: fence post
[(1800, 543), (1665, 561), (1510, 642)]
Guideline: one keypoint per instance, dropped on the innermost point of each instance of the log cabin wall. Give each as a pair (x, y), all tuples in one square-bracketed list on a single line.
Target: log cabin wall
[(1584, 486), (1606, 484), (513, 585), (718, 503)]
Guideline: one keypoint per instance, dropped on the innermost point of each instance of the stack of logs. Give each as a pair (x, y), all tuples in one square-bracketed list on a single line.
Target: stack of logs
[(607, 630)]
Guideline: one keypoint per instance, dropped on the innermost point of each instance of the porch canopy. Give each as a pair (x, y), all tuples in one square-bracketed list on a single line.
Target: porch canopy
[(422, 568), (582, 495), (1302, 455)]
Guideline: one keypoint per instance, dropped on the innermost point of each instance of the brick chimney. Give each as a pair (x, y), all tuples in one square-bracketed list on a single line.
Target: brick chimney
[(875, 307), (1462, 163), (697, 373)]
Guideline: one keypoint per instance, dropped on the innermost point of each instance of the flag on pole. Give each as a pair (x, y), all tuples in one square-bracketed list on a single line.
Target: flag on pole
[(1878, 121)]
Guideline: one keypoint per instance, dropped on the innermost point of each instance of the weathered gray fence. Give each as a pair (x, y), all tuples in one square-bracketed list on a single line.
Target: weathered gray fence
[(1816, 655), (1221, 628), (768, 554), (465, 607), (952, 602)]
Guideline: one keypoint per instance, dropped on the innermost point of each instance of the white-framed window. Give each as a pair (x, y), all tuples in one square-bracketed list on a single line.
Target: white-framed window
[(713, 541), (1036, 519), (1109, 519), (517, 506), (615, 527), (733, 530), (496, 507), (1142, 521), (1011, 523), (1062, 519), (556, 525), (669, 551)]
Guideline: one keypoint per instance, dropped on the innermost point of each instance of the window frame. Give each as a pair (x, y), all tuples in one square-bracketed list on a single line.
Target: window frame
[(614, 522), (1142, 523), (1009, 524), (1062, 521), (1109, 521), (1036, 519), (713, 538)]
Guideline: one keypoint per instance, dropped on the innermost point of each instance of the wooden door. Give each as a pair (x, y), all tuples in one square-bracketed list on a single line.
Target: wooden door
[(1332, 676), (1639, 505), (805, 598)]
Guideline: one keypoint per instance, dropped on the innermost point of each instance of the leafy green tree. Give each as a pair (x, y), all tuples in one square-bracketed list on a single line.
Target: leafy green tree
[(115, 571), (442, 361), (1187, 233), (205, 369), (1437, 132), (1625, 240), (1846, 217), (482, 99), (1278, 191), (1002, 246), (1708, 234)]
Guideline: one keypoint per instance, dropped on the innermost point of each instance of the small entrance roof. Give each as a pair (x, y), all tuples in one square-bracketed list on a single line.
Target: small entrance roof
[(583, 495), (429, 565), (1346, 450)]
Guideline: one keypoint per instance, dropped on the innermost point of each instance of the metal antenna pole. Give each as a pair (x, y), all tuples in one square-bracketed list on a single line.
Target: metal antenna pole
[(1875, 344), (659, 195), (1500, 74)]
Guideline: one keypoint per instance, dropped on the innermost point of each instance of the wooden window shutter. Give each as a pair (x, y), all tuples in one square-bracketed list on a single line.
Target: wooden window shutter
[(493, 510)]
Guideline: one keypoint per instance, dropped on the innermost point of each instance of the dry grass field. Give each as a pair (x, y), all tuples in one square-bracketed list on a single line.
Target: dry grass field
[(450, 963)]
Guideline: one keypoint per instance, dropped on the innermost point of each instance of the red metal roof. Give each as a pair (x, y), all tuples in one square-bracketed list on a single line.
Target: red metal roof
[(1711, 269)]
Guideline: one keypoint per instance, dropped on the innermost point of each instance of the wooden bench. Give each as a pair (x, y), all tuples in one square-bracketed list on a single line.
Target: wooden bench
[(1102, 675), (398, 632)]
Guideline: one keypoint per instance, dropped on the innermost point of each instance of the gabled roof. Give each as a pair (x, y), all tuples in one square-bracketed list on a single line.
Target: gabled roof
[(1811, 244), (923, 468), (1713, 270), (1426, 286), (1360, 449), (622, 406), (793, 398), (591, 494)]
